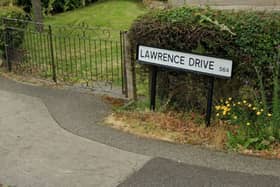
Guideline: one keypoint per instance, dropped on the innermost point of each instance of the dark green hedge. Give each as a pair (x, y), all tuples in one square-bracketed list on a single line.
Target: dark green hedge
[(54, 6), (10, 12), (249, 38)]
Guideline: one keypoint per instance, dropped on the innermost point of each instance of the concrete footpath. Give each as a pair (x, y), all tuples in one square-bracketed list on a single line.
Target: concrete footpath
[(35, 151), (52, 137)]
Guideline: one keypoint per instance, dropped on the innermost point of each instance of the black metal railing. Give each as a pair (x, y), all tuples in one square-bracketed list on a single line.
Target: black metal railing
[(65, 53)]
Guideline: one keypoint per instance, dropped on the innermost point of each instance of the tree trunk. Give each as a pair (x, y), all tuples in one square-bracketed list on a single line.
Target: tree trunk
[(83, 3), (37, 12)]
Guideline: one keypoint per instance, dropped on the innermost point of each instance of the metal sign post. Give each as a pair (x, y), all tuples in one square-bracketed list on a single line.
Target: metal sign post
[(153, 87), (209, 101), (182, 61)]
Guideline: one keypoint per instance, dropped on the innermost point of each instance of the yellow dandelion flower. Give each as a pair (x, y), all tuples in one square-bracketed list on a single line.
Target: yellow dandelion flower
[(269, 115), (226, 109), (217, 107), (258, 113), (239, 103), (262, 110), (248, 124), (228, 105), (235, 117), (249, 105), (254, 108), (229, 98), (224, 113), (227, 102), (244, 101), (217, 114), (234, 104)]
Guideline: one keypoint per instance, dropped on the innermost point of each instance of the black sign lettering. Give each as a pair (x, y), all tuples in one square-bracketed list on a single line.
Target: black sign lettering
[(211, 65), (182, 59), (191, 61)]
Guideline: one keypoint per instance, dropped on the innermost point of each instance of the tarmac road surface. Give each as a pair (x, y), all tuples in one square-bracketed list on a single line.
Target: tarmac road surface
[(52, 137)]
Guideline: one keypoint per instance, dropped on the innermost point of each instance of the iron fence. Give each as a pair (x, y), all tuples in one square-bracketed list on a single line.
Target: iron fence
[(71, 54)]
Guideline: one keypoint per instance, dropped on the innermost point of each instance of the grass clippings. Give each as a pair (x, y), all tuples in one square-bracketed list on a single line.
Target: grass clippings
[(170, 127)]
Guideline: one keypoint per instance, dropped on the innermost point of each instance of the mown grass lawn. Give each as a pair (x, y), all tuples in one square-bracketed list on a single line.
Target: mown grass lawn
[(114, 14), (85, 54)]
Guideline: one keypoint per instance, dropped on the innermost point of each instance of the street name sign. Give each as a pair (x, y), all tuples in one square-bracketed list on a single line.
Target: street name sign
[(211, 66)]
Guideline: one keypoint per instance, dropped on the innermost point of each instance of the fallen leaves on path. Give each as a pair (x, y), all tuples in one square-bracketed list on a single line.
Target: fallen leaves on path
[(186, 130)]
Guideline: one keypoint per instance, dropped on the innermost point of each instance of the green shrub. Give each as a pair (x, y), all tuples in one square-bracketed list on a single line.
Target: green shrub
[(17, 37), (54, 6), (25, 4), (250, 39)]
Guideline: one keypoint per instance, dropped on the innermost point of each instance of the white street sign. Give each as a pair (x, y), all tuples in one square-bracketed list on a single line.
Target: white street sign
[(185, 61)]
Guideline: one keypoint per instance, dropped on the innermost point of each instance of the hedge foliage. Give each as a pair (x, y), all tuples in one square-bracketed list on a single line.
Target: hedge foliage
[(249, 38), (54, 6), (10, 12)]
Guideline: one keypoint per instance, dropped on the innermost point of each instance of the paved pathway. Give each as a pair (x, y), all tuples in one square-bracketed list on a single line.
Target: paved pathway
[(165, 173), (36, 151)]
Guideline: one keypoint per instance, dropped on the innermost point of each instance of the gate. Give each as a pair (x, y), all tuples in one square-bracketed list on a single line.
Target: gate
[(72, 54)]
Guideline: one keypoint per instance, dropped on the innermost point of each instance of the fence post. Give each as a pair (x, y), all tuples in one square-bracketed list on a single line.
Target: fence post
[(6, 34), (123, 75), (52, 54), (129, 68)]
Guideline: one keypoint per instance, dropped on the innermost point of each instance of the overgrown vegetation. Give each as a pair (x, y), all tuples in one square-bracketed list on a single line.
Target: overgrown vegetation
[(251, 39), (258, 123), (11, 12), (254, 125)]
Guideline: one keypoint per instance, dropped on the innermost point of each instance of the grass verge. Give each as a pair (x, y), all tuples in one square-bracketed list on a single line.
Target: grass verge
[(182, 128)]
